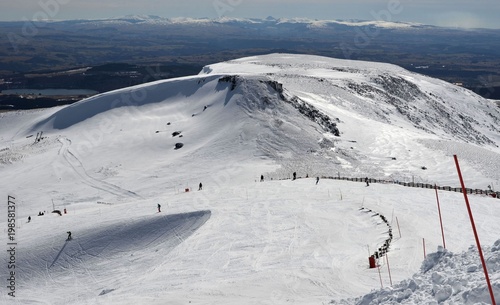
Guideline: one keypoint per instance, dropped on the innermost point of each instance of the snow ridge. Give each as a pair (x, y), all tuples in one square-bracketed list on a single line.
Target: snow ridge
[(444, 278), (382, 91)]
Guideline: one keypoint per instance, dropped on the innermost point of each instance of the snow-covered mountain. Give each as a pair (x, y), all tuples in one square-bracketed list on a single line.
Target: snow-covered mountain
[(270, 21), (110, 159), (430, 113)]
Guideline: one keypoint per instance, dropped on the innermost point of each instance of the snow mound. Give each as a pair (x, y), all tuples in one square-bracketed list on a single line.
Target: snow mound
[(384, 92), (136, 242), (444, 278), (136, 96)]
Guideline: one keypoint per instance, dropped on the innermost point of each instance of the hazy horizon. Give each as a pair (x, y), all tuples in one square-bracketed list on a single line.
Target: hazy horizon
[(448, 13)]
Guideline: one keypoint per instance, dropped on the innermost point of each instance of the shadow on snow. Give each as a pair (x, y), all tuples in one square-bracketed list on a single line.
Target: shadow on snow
[(128, 239)]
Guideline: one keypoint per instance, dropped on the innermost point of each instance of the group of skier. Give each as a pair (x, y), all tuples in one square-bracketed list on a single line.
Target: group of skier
[(200, 187)]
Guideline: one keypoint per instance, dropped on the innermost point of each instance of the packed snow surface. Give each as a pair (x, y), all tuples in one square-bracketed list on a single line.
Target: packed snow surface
[(107, 162)]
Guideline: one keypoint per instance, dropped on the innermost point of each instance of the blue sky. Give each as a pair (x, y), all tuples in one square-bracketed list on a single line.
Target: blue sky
[(461, 13)]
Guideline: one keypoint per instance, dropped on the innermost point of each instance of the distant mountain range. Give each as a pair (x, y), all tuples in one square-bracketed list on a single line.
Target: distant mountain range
[(470, 57), (269, 21)]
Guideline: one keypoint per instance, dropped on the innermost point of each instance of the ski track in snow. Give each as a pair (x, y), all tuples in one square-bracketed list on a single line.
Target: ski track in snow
[(78, 167)]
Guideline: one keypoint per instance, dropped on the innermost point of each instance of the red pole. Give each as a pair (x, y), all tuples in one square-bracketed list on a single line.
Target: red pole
[(388, 267), (440, 219), (475, 231)]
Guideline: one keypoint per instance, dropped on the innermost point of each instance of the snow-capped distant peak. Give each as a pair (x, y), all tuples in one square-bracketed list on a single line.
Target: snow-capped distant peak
[(140, 17), (309, 23), (356, 23)]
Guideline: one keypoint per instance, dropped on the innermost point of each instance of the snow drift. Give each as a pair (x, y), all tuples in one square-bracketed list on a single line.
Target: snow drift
[(444, 278)]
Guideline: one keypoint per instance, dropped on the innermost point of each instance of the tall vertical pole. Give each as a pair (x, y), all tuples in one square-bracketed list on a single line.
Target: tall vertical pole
[(440, 219), (380, 276), (388, 267), (399, 229), (423, 244), (475, 231)]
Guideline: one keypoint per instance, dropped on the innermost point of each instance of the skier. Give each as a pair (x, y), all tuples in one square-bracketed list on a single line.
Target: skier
[(261, 178), (200, 187), (366, 180), (317, 180), (29, 218), (294, 175), (159, 208), (69, 235)]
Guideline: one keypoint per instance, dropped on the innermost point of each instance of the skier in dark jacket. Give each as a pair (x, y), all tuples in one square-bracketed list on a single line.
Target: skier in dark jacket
[(317, 180), (366, 180), (159, 208), (200, 187), (69, 235)]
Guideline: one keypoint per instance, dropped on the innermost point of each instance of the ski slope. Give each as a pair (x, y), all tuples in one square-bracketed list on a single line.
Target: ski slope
[(110, 159)]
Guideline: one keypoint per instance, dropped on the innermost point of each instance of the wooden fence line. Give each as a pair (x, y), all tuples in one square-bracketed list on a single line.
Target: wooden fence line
[(421, 185), (413, 184)]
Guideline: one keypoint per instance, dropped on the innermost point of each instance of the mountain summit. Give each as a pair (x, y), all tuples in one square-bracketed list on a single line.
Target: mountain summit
[(180, 191), (404, 106), (307, 113)]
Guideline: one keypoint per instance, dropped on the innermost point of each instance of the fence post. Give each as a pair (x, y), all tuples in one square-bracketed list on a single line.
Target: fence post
[(388, 268), (423, 243), (440, 218), (399, 229)]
